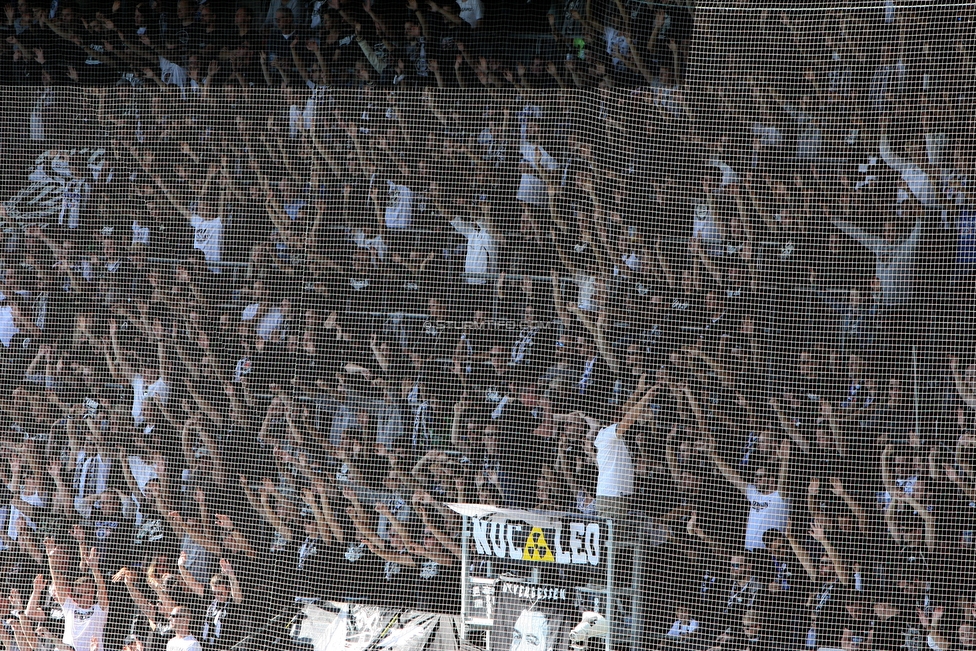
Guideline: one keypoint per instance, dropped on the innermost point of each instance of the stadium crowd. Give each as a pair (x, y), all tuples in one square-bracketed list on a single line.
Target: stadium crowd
[(255, 339)]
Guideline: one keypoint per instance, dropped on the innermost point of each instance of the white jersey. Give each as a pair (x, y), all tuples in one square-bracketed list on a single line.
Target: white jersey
[(140, 393), (83, 624), (765, 512), (208, 237), (8, 327), (532, 189), (181, 643), (481, 254), (399, 206), (615, 468)]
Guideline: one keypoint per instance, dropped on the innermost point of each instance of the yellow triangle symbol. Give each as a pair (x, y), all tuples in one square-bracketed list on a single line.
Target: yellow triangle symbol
[(536, 548)]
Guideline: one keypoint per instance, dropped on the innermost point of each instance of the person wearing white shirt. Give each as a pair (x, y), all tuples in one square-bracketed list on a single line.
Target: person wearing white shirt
[(480, 259), (896, 257), (84, 603), (179, 619), (768, 508), (615, 465), (481, 256)]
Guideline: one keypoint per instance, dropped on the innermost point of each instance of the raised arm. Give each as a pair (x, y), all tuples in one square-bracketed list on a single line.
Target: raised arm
[(965, 392), (803, 556), (872, 242), (931, 536), (837, 488), (784, 465), (791, 428), (235, 587), (818, 533), (634, 413), (33, 610), (730, 475), (192, 584), (886, 478), (128, 577), (101, 590), (61, 590)]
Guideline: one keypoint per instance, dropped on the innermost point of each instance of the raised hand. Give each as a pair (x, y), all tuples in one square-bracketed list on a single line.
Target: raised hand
[(817, 531), (836, 486), (92, 559), (814, 487)]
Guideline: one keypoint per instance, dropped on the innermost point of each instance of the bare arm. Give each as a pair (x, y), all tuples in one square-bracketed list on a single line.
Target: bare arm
[(803, 556), (61, 590), (235, 587), (967, 395), (128, 578), (191, 583), (837, 487), (840, 567), (101, 590), (784, 466), (730, 475), (633, 414), (33, 610)]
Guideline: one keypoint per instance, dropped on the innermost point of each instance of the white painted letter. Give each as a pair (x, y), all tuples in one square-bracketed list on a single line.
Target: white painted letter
[(576, 533), (513, 550), (593, 543), (562, 556), (482, 546)]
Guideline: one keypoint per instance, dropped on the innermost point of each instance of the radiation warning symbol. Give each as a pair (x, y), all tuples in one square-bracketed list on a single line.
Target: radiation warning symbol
[(536, 548)]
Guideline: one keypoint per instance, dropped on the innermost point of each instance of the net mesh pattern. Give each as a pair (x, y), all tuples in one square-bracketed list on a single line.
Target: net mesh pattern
[(585, 324)]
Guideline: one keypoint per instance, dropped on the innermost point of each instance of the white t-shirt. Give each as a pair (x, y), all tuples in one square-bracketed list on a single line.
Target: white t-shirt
[(140, 393), (706, 228), (765, 512), (207, 237), (375, 245), (83, 624), (270, 322), (142, 472), (170, 73), (188, 643), (481, 256), (20, 520), (399, 206), (678, 628), (7, 326), (471, 11), (615, 476)]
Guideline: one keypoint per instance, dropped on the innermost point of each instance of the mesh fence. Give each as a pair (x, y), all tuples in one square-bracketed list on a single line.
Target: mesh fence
[(530, 328)]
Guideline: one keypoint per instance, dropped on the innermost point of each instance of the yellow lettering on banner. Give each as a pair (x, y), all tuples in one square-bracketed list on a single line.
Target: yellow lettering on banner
[(536, 548)]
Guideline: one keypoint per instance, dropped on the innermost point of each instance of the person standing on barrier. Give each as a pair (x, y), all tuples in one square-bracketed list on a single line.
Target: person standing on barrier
[(615, 465)]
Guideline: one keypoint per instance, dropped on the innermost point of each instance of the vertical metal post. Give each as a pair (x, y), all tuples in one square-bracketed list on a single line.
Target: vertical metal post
[(608, 641), (636, 614), (465, 576), (918, 432)]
